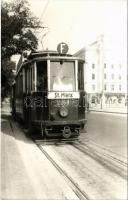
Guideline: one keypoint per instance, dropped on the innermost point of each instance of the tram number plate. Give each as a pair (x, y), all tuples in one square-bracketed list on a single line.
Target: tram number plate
[(63, 95)]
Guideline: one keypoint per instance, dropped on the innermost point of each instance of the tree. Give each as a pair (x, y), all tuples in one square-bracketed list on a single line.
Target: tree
[(7, 76), (17, 25)]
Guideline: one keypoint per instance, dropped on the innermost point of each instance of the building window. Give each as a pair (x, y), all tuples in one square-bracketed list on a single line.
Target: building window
[(119, 87), (105, 87), (112, 66), (120, 66), (93, 76), (119, 77), (112, 75), (93, 87), (104, 65), (93, 66), (105, 76), (112, 87)]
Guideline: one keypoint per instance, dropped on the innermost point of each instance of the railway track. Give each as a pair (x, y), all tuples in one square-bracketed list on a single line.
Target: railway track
[(103, 156), (75, 187), (87, 146), (66, 165), (110, 162), (94, 155), (107, 152)]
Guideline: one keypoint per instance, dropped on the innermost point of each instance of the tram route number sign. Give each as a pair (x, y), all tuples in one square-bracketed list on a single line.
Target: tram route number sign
[(63, 95), (62, 48)]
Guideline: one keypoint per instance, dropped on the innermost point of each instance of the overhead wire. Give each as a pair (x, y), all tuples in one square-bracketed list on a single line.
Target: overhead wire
[(40, 19), (44, 10), (41, 16)]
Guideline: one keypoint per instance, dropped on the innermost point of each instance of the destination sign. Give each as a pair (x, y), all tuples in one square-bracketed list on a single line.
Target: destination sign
[(63, 95)]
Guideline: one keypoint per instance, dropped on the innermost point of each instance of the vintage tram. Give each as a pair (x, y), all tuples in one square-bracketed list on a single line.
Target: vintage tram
[(48, 93)]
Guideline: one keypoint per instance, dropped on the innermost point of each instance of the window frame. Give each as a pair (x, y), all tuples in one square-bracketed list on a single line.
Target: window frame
[(93, 87), (75, 61), (105, 76), (81, 76), (112, 87), (93, 65), (37, 77), (93, 76)]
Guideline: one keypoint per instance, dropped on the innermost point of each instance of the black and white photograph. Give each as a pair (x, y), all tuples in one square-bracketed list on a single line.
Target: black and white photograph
[(64, 100)]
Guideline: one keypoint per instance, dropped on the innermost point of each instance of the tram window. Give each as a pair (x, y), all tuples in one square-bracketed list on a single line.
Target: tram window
[(80, 76), (21, 83), (23, 79), (28, 79), (31, 85), (33, 78), (17, 86), (42, 76), (62, 76)]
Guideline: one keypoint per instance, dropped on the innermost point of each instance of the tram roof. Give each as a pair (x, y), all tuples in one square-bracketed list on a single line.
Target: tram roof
[(39, 55), (46, 53)]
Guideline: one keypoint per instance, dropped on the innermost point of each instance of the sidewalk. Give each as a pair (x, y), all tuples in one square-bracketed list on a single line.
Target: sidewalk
[(110, 109), (26, 172)]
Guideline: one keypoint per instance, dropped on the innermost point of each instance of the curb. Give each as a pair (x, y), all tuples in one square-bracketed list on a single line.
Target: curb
[(103, 111)]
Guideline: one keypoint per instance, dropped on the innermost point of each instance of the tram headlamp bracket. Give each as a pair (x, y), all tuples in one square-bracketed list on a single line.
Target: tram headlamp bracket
[(52, 116)]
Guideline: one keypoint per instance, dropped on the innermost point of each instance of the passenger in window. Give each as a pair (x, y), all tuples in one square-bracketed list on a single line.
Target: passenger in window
[(41, 84)]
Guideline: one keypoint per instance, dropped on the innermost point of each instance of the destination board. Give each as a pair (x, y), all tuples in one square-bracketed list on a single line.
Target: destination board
[(63, 95)]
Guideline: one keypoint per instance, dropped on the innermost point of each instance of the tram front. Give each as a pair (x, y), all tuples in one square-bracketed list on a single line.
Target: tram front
[(66, 96)]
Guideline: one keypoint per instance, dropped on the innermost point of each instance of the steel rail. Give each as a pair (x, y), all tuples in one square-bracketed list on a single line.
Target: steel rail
[(106, 152), (107, 162), (74, 141), (110, 153), (80, 194)]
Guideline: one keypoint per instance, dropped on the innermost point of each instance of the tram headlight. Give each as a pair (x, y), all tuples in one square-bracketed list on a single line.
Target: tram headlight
[(52, 116), (63, 112)]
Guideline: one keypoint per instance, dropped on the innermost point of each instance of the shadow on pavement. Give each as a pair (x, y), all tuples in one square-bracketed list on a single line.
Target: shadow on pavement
[(14, 129)]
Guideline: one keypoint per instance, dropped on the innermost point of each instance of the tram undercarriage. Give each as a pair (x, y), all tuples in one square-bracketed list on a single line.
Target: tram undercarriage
[(65, 130)]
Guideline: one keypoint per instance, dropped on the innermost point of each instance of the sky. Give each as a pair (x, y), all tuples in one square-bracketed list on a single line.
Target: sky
[(79, 22)]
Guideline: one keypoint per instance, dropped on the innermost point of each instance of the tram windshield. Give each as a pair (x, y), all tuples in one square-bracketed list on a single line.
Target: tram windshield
[(62, 76)]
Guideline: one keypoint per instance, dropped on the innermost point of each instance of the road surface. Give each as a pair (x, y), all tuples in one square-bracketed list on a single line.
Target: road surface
[(109, 130)]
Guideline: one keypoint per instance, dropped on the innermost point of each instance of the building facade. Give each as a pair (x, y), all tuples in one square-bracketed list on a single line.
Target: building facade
[(105, 74)]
